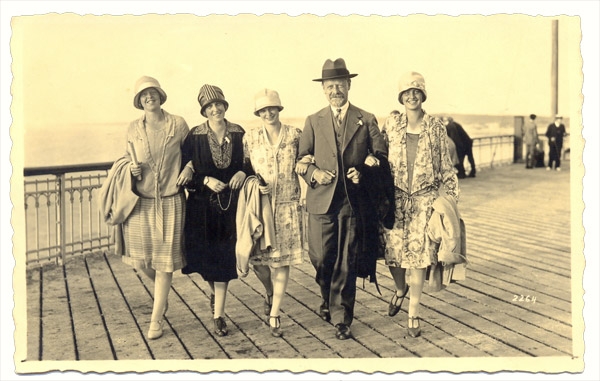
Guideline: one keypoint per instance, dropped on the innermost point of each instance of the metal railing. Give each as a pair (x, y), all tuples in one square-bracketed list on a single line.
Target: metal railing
[(62, 217), (491, 151)]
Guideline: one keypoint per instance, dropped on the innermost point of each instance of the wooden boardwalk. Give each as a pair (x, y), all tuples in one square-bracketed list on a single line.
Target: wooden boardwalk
[(515, 303)]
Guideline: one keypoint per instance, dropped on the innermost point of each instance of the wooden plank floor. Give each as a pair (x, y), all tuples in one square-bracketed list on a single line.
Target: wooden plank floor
[(518, 227)]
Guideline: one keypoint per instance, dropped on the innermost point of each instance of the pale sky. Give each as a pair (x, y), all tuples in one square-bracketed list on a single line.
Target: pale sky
[(81, 69), (74, 72)]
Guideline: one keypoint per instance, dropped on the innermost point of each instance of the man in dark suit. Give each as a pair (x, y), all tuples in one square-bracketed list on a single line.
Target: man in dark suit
[(340, 141), (555, 133), (464, 146)]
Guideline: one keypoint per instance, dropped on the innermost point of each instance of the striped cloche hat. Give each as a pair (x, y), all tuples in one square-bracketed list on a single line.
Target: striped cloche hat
[(209, 94)]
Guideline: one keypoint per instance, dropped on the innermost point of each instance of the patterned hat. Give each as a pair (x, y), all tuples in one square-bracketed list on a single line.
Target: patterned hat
[(411, 80), (210, 94), (144, 83)]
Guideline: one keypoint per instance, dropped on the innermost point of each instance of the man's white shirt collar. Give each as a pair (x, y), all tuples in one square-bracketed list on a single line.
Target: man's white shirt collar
[(344, 109)]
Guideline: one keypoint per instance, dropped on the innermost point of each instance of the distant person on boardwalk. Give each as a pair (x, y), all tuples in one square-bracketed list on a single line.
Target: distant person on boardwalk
[(464, 146), (343, 139), (531, 140), (272, 149), (555, 133), (420, 165), (152, 233), (219, 169)]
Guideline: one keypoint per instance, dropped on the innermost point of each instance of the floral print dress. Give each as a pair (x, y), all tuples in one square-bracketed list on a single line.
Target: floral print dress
[(275, 163), (407, 243)]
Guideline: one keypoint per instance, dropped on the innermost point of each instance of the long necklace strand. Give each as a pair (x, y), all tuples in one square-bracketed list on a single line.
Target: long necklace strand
[(228, 203)]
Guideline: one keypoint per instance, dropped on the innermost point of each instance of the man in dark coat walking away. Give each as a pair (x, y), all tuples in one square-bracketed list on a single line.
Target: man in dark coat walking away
[(464, 146), (555, 134)]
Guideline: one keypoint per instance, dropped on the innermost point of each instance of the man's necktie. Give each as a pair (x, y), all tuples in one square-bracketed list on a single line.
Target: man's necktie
[(338, 117)]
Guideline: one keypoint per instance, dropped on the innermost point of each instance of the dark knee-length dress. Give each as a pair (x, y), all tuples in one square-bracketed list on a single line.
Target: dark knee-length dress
[(210, 231)]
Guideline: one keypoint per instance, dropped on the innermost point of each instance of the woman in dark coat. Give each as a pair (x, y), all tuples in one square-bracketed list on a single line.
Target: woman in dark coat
[(219, 170)]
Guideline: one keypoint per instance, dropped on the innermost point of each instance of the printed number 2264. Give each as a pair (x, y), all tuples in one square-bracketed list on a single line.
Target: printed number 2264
[(524, 298)]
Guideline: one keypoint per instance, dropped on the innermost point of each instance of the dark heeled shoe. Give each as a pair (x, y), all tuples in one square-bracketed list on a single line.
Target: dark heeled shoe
[(275, 330), (212, 303), (394, 307), (267, 305), (220, 326), (156, 329), (415, 330)]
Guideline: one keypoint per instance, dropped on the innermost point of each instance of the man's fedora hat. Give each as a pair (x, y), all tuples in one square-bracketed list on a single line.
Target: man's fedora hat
[(334, 69)]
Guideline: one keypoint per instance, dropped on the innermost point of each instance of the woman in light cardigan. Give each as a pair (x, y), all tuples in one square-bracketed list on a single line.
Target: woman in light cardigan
[(153, 232)]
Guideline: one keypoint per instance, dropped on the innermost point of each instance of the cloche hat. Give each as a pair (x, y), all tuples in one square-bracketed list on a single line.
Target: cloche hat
[(334, 69), (266, 98), (411, 80), (209, 94), (144, 83)]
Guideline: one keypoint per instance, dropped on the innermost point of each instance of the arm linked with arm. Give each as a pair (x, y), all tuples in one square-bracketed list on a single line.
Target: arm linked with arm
[(306, 148)]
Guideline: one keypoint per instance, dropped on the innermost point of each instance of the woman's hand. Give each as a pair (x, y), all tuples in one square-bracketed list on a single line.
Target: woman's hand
[(301, 168), (264, 189), (215, 185), (185, 176), (136, 170), (237, 180), (303, 164)]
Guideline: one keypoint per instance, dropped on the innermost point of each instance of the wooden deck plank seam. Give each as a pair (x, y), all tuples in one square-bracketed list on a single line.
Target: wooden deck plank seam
[(129, 308), (100, 310), (298, 323), (198, 319), (358, 301)]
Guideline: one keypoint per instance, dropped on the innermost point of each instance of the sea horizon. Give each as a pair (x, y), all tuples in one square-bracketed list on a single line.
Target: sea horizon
[(87, 143)]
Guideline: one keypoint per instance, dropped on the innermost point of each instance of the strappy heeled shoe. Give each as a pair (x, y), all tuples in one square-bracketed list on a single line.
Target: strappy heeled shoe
[(220, 326), (415, 330), (156, 329), (267, 305), (394, 307), (275, 330)]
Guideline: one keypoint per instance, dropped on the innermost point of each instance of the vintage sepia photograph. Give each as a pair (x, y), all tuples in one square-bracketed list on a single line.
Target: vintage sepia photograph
[(214, 189)]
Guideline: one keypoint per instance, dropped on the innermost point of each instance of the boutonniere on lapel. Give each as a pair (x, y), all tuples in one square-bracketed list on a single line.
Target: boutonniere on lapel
[(360, 121)]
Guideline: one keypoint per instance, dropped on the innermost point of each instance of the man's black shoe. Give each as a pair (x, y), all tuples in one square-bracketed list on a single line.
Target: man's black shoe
[(324, 312), (342, 331)]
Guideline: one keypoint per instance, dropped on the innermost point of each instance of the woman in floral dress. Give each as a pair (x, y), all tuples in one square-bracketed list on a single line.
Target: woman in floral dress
[(421, 165), (272, 149)]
